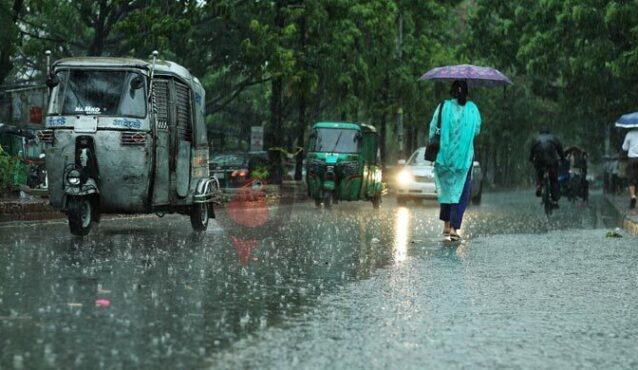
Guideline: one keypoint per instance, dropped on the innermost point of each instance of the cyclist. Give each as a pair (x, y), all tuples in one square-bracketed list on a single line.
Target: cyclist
[(547, 154)]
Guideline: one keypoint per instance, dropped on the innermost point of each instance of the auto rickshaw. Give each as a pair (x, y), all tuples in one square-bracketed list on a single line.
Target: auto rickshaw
[(343, 163), (126, 135)]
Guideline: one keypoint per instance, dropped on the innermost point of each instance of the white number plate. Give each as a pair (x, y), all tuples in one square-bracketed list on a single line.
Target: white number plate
[(86, 124)]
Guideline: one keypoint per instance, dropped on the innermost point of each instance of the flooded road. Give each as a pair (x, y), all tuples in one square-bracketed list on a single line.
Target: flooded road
[(347, 288)]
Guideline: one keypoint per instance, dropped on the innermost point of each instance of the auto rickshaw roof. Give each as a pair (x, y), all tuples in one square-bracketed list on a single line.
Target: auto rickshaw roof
[(345, 125), (161, 66)]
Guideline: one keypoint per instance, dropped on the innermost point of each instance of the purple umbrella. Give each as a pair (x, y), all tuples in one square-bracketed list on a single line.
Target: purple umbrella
[(473, 75)]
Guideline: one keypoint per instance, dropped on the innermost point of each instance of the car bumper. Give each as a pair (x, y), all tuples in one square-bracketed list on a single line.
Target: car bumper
[(226, 180), (417, 190)]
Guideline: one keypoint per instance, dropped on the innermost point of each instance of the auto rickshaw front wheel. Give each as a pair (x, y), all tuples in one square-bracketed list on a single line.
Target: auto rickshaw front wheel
[(199, 216), (327, 199), (81, 214)]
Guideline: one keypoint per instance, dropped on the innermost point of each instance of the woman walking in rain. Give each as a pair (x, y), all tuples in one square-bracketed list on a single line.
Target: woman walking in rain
[(460, 123)]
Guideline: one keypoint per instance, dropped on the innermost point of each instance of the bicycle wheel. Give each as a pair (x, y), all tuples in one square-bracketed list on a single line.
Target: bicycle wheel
[(547, 200)]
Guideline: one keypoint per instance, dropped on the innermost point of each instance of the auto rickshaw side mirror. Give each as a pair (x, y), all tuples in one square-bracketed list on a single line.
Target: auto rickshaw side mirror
[(137, 83), (52, 81)]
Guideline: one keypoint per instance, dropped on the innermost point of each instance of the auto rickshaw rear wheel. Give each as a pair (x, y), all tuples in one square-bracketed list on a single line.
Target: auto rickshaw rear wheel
[(199, 216), (81, 212)]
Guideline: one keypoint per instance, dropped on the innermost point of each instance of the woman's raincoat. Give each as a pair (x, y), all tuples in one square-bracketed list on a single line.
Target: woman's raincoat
[(459, 125)]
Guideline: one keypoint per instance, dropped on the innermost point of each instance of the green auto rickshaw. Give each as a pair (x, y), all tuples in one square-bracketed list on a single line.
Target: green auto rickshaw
[(343, 163)]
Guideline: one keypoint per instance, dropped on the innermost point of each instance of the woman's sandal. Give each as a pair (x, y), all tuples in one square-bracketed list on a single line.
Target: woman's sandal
[(455, 237)]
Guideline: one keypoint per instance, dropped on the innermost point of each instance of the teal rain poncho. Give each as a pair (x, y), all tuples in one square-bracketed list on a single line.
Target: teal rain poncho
[(459, 125)]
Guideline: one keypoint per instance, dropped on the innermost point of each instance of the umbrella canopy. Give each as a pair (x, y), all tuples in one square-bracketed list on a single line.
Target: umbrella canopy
[(628, 120), (473, 75)]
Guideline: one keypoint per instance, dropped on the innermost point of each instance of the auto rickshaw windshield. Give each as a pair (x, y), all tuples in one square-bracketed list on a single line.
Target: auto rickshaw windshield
[(334, 140), (95, 92)]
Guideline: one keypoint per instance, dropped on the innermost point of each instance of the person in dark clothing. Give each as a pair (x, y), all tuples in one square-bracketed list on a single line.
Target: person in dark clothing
[(547, 154)]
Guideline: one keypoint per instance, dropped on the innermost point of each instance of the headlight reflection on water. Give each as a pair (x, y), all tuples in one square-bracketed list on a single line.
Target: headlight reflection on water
[(401, 234)]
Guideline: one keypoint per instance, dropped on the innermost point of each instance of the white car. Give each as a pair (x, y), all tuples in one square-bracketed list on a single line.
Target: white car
[(416, 180)]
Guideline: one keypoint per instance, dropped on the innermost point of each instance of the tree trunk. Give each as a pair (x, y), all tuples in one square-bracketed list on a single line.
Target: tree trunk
[(301, 132), (7, 49), (274, 135), (382, 136), (276, 113), (301, 122), (384, 120)]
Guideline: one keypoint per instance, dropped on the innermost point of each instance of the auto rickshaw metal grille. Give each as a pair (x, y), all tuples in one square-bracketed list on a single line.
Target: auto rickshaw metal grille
[(184, 130), (160, 88), (133, 138)]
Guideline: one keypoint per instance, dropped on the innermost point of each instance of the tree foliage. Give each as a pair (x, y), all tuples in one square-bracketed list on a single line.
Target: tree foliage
[(284, 64)]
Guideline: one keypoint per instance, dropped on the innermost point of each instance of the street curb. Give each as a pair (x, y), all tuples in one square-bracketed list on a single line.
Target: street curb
[(16, 210), (628, 222), (630, 226)]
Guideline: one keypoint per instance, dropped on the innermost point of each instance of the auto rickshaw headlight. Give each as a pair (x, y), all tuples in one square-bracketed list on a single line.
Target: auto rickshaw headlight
[(405, 177), (73, 177)]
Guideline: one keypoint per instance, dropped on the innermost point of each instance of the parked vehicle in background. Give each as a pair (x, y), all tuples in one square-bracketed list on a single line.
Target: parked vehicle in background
[(236, 169), (415, 181)]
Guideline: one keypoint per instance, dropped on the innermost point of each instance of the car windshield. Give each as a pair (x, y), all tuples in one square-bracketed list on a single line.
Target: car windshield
[(92, 92), (333, 140), (417, 158)]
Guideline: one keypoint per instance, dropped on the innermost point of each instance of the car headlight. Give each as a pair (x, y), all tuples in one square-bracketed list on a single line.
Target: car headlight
[(73, 177), (405, 177)]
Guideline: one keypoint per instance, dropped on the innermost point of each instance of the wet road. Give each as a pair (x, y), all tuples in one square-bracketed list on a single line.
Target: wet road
[(293, 287)]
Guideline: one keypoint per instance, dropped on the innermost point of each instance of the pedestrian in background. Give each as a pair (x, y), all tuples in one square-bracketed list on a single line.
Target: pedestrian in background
[(630, 145), (460, 124)]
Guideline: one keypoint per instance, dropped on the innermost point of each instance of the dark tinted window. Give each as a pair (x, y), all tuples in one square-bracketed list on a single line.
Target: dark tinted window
[(108, 93)]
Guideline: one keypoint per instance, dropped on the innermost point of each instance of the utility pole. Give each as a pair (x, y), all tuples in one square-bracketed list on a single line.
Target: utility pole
[(400, 109)]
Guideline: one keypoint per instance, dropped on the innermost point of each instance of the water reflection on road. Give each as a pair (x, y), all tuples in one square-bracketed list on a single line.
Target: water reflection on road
[(171, 298)]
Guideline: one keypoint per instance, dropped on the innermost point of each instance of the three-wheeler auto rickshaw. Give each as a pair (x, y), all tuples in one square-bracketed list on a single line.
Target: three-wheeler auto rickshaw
[(342, 163), (126, 136)]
